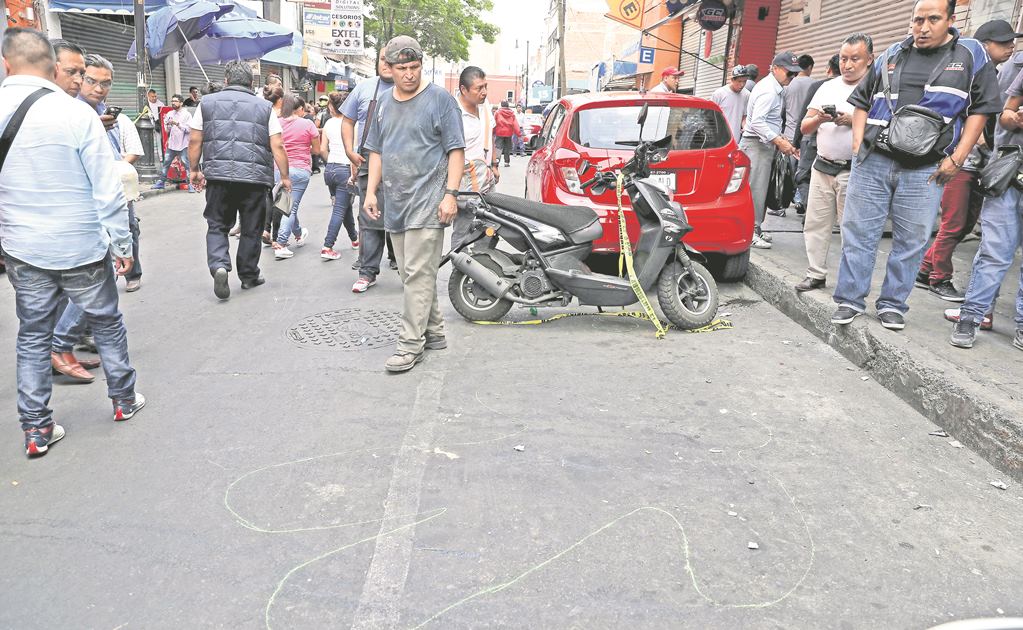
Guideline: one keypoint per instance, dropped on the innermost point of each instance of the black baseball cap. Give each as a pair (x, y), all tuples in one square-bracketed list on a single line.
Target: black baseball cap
[(996, 31), (787, 60)]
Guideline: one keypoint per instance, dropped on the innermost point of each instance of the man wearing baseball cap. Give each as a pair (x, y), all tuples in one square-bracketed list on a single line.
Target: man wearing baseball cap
[(669, 80), (733, 98), (762, 135), (416, 157)]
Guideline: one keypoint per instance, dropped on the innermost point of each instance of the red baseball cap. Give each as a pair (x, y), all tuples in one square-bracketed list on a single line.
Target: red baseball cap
[(672, 72)]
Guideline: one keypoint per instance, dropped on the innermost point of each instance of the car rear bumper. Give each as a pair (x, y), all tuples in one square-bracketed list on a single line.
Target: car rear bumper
[(722, 227)]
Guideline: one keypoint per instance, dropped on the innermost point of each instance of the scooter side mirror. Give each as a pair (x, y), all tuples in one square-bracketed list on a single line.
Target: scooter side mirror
[(643, 111)]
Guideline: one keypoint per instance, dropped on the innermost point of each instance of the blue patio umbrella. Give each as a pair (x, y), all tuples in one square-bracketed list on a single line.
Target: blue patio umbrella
[(170, 28), (238, 35)]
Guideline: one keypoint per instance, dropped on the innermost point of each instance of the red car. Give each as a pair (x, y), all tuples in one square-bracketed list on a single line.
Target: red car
[(705, 170)]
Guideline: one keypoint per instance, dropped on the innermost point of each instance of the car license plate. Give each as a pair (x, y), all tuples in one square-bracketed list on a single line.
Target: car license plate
[(665, 180)]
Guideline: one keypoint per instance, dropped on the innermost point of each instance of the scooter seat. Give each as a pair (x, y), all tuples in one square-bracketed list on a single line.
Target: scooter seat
[(579, 223)]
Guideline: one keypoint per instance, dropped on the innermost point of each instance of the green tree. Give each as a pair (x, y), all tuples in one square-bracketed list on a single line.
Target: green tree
[(443, 27)]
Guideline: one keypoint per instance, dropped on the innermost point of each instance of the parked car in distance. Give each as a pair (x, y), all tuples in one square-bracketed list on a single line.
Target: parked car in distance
[(705, 171), (531, 125)]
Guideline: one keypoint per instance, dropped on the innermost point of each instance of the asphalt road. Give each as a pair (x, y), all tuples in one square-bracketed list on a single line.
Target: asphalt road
[(576, 474)]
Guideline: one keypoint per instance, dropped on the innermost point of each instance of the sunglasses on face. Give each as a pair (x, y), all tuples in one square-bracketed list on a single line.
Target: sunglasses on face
[(103, 84)]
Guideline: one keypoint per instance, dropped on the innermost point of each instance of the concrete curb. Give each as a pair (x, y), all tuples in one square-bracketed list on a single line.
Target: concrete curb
[(978, 417)]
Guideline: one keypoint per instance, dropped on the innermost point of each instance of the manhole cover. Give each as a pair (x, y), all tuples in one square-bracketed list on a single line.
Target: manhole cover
[(347, 329)]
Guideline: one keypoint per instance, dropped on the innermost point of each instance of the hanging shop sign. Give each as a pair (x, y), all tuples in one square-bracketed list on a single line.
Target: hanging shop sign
[(346, 27), (712, 14)]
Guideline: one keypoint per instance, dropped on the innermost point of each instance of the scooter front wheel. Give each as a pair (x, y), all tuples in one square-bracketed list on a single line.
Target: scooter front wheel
[(688, 300), (472, 301)]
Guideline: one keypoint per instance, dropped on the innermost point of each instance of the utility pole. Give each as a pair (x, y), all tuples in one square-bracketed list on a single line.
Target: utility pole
[(525, 79), (140, 51), (562, 75)]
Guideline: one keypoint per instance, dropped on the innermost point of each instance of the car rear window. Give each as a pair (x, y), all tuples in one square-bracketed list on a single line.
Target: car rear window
[(691, 128)]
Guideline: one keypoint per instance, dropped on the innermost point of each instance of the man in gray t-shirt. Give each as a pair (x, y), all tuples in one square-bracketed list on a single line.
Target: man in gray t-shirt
[(416, 150)]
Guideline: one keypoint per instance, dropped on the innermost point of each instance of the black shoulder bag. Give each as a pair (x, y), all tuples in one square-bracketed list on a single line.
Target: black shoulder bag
[(14, 124), (1002, 171), (913, 131)]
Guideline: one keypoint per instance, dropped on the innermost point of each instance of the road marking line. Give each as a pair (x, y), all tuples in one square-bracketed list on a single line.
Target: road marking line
[(388, 569)]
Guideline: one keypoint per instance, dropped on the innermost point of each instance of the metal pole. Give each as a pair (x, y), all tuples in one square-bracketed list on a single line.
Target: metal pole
[(562, 73), (140, 51), (526, 79)]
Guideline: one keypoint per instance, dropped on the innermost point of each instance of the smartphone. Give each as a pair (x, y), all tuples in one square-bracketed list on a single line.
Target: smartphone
[(114, 111)]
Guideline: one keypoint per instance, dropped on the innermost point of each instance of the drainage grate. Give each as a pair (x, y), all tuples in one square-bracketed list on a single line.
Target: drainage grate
[(347, 329)]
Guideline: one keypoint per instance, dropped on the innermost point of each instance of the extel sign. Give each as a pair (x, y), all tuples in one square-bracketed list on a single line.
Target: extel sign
[(712, 14)]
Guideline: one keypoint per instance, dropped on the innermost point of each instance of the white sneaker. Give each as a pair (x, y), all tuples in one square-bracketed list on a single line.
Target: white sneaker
[(362, 285), (282, 253), (767, 237), (300, 240), (759, 242)]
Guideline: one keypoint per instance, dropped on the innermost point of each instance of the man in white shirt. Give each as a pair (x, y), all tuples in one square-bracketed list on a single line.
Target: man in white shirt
[(669, 81), (64, 230), (153, 106), (762, 135), (481, 174), (830, 117), (733, 99)]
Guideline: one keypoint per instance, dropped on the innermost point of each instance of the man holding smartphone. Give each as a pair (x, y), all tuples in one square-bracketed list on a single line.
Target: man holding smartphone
[(830, 117)]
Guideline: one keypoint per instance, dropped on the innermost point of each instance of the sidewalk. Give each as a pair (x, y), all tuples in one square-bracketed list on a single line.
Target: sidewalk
[(974, 395)]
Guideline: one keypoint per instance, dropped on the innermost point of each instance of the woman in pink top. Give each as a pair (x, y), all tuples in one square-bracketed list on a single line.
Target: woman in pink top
[(301, 140)]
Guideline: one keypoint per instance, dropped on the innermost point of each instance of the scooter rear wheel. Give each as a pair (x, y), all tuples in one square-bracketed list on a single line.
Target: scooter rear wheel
[(472, 301), (688, 302)]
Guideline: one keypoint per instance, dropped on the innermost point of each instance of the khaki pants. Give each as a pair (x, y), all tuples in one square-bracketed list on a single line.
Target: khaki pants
[(418, 253), (824, 207)]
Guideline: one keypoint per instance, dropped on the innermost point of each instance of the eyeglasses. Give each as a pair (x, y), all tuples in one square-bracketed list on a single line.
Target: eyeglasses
[(71, 72), (103, 84)]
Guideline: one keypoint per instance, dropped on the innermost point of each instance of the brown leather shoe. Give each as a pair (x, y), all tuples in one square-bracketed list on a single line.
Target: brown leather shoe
[(809, 284), (71, 369)]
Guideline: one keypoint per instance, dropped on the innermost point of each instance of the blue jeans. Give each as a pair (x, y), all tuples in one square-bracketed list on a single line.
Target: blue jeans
[(1001, 223), (336, 177), (70, 328), (168, 158), (37, 295), (289, 224), (880, 188)]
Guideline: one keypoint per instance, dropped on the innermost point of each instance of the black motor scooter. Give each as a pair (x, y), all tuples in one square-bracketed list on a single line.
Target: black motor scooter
[(552, 242)]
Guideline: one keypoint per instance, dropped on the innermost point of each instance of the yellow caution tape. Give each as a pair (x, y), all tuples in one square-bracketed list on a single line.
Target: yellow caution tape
[(717, 324), (626, 255)]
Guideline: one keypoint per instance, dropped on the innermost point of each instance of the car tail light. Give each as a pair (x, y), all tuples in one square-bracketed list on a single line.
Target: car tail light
[(571, 177), (565, 163), (740, 168)]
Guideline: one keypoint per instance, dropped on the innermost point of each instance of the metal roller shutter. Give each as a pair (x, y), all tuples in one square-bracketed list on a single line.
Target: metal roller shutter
[(192, 75), (112, 38), (692, 38), (709, 78), (817, 27)]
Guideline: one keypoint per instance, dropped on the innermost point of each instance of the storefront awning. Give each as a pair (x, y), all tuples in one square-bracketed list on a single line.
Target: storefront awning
[(106, 7)]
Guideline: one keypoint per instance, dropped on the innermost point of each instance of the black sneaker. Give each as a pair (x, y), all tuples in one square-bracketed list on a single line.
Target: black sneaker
[(964, 333), (252, 283), (38, 441), (125, 409), (923, 280), (947, 291), (1017, 341), (892, 320), (844, 315)]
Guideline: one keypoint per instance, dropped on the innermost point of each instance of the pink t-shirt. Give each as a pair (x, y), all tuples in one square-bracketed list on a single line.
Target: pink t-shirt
[(298, 137)]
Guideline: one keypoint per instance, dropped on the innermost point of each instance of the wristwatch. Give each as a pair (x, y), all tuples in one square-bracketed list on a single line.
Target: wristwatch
[(451, 191)]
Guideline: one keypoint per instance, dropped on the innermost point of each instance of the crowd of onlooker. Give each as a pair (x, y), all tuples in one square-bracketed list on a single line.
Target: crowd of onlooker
[(893, 140)]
